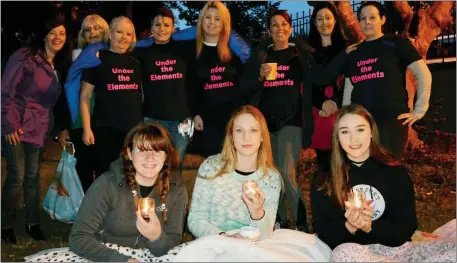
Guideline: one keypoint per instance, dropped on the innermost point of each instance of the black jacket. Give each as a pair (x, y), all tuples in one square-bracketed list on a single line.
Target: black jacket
[(312, 73), (392, 190)]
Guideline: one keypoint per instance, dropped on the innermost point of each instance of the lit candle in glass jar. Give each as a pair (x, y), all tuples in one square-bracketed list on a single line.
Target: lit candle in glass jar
[(144, 205), (356, 198), (250, 186)]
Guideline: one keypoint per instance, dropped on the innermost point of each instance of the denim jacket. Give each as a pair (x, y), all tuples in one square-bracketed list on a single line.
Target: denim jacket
[(30, 88)]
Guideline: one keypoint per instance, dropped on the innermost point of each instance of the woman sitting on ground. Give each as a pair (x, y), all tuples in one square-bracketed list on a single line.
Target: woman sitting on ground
[(107, 213), (218, 202), (359, 164)]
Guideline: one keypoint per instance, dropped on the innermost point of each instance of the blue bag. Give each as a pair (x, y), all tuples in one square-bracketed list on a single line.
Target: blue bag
[(61, 207)]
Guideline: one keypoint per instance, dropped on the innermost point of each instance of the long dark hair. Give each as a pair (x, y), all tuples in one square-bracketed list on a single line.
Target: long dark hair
[(337, 185), (148, 137), (338, 38), (36, 46)]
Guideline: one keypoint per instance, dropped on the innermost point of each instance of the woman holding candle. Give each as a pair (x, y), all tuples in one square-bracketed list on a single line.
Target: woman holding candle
[(285, 100), (359, 164), (108, 212), (219, 203)]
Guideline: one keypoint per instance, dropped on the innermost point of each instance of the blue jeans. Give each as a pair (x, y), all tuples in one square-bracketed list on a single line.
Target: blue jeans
[(23, 169), (179, 141)]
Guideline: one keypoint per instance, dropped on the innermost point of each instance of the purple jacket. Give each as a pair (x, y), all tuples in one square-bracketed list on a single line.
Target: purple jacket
[(29, 91)]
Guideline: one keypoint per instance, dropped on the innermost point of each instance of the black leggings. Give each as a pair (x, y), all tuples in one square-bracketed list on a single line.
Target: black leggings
[(108, 146), (323, 159), (85, 159)]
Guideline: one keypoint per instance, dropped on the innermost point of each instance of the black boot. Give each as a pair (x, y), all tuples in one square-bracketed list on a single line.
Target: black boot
[(8, 236), (35, 232)]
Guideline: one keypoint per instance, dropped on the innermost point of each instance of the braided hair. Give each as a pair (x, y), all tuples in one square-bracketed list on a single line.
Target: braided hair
[(150, 137)]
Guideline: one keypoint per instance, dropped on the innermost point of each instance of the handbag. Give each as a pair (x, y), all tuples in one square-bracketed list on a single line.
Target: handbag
[(65, 194)]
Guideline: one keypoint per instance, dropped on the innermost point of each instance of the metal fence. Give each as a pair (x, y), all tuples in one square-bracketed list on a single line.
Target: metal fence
[(442, 48), (301, 21)]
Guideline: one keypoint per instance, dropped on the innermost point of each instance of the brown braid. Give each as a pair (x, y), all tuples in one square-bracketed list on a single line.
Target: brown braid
[(129, 172), (148, 136), (164, 185)]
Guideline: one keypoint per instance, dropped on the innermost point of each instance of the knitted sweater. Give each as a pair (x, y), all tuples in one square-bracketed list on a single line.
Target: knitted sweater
[(217, 205)]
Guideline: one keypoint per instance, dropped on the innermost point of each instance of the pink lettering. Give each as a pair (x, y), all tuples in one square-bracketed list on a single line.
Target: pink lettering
[(217, 69), (366, 62), (167, 62), (112, 87), (218, 85), (155, 77), (375, 75), (122, 70), (278, 83), (280, 75), (284, 67)]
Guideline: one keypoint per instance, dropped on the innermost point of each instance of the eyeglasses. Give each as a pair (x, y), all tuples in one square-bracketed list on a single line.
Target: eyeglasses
[(95, 28)]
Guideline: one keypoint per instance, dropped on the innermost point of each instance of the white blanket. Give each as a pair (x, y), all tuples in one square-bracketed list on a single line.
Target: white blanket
[(283, 246)]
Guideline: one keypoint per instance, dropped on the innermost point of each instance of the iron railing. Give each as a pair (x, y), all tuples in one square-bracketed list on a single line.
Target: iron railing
[(442, 49)]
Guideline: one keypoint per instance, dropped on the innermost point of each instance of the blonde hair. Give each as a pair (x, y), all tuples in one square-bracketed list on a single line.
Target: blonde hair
[(223, 48), (82, 43), (116, 21), (264, 157)]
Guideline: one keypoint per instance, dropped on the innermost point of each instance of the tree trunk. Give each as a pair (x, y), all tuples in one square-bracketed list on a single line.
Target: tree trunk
[(431, 22), (349, 21)]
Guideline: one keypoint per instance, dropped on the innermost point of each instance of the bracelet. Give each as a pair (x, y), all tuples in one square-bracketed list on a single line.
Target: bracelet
[(259, 218)]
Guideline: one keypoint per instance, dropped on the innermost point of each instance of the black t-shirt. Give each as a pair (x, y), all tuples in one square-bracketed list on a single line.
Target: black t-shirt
[(377, 71), (164, 81), (117, 87), (146, 190), (281, 99), (218, 94)]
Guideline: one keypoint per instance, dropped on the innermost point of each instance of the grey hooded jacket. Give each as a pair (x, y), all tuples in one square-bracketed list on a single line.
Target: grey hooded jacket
[(107, 214)]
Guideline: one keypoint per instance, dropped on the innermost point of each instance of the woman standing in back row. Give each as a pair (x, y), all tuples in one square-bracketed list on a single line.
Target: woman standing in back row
[(164, 74), (30, 88), (216, 76), (327, 40), (117, 85), (286, 102), (375, 77), (94, 29)]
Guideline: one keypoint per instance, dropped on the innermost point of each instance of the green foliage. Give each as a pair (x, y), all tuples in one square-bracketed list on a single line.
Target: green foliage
[(249, 18)]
